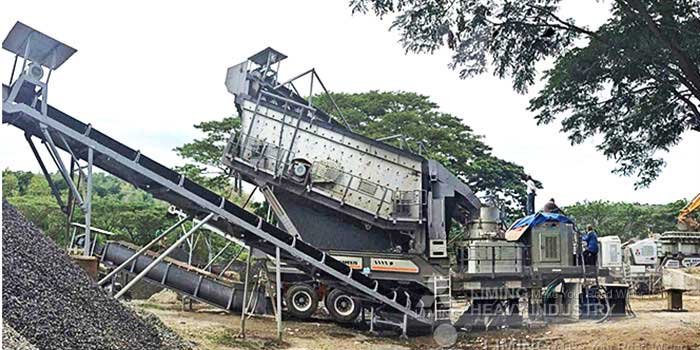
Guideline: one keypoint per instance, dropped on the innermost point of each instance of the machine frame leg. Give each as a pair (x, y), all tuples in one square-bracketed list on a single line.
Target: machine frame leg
[(208, 266), (278, 293), (404, 327), (162, 256), (142, 250), (244, 303), (87, 249)]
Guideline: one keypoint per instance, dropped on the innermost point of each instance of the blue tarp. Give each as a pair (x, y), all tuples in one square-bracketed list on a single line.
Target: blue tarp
[(538, 218), (519, 227)]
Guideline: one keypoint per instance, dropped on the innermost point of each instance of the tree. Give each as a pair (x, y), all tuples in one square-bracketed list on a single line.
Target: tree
[(132, 214), (38, 187), (204, 155), (437, 135), (634, 80), (627, 220), (10, 184)]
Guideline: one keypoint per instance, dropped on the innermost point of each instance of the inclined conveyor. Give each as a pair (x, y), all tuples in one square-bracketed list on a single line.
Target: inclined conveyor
[(24, 107)]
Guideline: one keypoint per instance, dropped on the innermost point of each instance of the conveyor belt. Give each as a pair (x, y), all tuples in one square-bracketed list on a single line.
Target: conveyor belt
[(72, 135)]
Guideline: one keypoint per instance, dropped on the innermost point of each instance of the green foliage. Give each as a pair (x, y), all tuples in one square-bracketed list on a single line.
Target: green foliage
[(118, 207), (15, 181), (204, 155), (635, 80), (10, 184), (44, 213), (436, 135), (627, 220), (133, 215)]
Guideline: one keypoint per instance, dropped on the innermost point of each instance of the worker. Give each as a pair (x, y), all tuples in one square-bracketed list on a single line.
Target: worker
[(531, 193), (590, 254), (551, 207)]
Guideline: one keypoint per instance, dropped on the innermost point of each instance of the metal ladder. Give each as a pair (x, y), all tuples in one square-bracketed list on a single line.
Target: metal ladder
[(442, 292)]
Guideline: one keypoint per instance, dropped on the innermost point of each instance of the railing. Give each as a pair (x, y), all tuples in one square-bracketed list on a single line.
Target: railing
[(332, 181), (260, 154), (494, 257)]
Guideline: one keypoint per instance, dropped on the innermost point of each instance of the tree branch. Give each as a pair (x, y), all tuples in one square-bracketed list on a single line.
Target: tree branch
[(692, 106), (568, 25), (682, 79), (687, 67)]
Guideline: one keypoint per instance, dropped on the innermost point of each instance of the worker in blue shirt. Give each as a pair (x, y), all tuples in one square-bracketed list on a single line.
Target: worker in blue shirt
[(590, 255)]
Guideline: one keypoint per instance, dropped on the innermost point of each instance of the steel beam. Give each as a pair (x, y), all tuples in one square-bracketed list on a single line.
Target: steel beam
[(244, 305), (9, 106), (279, 211), (228, 244), (278, 293), (228, 266), (88, 203), (52, 185), (142, 250), (61, 166), (162, 256)]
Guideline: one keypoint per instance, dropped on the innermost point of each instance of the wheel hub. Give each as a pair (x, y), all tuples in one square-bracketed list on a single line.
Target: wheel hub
[(344, 305), (301, 301)]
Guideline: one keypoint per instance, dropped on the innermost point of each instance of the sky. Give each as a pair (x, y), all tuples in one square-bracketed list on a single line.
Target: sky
[(147, 71)]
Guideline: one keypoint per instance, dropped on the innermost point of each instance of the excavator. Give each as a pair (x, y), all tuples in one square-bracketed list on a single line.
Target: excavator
[(685, 221)]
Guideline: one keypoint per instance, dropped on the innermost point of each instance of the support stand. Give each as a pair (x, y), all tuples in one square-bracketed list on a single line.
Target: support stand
[(278, 293), (162, 256), (404, 327), (244, 303), (87, 249), (141, 251), (674, 298)]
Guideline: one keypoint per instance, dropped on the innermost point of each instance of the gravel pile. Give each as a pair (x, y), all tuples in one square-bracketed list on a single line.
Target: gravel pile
[(52, 302), (11, 340), (164, 297)]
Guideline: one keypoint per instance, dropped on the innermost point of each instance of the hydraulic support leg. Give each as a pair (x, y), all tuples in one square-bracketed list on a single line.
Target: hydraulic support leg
[(279, 211), (404, 327)]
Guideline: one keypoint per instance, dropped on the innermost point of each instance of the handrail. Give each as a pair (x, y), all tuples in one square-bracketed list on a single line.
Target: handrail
[(256, 153)]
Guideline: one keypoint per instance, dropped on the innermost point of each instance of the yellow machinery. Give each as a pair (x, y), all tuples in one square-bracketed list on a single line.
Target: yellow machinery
[(685, 221)]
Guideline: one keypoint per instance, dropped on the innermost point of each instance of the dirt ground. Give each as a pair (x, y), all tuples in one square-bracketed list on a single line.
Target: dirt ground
[(652, 328)]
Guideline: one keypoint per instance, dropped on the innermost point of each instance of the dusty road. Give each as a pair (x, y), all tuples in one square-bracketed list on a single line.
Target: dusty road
[(652, 329)]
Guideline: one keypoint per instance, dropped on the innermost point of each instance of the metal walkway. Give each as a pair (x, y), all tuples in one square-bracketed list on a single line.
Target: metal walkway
[(27, 110)]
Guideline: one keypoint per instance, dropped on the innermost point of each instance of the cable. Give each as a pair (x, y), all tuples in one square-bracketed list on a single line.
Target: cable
[(607, 305)]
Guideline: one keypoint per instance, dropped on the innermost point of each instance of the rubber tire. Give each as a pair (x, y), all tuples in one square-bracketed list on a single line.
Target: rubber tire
[(339, 315), (292, 309)]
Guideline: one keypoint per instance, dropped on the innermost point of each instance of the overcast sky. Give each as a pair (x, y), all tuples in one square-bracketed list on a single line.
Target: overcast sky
[(146, 71)]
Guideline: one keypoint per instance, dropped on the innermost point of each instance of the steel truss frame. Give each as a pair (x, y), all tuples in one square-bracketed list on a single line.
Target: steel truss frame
[(36, 113), (10, 106)]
